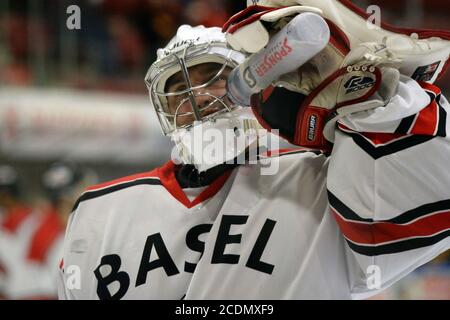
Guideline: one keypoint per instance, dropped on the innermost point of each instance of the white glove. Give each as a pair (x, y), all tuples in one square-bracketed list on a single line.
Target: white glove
[(387, 88), (250, 29), (335, 81)]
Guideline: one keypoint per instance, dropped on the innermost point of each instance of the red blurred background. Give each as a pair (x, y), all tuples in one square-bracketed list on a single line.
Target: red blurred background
[(118, 39)]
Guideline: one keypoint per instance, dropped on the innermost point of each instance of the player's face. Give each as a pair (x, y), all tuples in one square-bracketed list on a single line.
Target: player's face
[(205, 98)]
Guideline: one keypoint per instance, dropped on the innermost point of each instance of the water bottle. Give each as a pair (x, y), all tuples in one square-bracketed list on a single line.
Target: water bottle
[(299, 41)]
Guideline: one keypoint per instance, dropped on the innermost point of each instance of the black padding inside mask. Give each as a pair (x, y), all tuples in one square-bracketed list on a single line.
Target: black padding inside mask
[(280, 110)]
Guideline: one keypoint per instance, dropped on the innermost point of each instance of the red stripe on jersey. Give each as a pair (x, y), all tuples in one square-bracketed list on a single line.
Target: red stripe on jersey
[(150, 174), (61, 264), (15, 217), (374, 137), (430, 87), (48, 231), (427, 120), (167, 176), (380, 232)]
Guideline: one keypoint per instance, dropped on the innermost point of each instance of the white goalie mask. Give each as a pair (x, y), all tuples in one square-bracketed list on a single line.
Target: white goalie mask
[(187, 87)]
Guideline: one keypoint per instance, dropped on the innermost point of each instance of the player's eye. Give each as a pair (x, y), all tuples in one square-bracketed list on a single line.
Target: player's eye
[(219, 82), (179, 87)]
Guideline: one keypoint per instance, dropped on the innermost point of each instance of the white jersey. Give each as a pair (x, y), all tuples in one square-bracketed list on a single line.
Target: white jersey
[(337, 227)]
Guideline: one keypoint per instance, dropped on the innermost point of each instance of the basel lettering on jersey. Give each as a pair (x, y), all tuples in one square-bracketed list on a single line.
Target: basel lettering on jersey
[(155, 242)]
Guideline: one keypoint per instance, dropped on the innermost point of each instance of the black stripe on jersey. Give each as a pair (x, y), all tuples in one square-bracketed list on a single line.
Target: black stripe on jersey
[(402, 218), (98, 193), (392, 147), (405, 124), (431, 94), (399, 246), (442, 126), (343, 210)]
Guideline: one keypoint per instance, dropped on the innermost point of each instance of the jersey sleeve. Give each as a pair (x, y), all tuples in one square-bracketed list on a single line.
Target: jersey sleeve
[(389, 186)]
